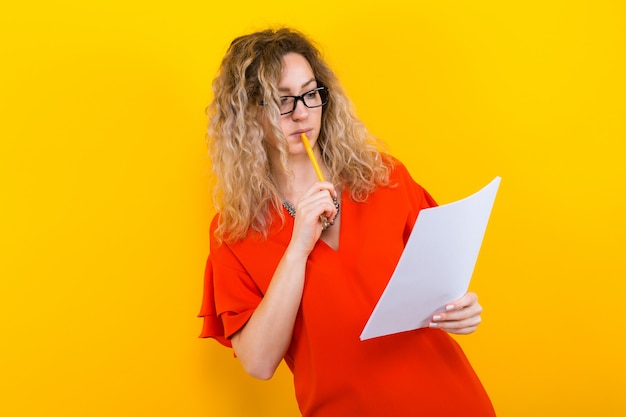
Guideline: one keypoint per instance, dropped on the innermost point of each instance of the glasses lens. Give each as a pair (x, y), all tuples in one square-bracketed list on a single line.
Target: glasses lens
[(312, 98), (286, 104), (323, 93)]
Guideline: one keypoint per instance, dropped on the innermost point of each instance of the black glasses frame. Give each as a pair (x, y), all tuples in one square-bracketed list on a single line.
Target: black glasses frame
[(323, 91)]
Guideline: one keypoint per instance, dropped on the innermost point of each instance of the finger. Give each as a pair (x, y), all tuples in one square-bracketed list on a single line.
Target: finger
[(320, 186), (318, 202), (462, 314), (465, 326), (463, 331), (470, 320), (461, 327), (464, 301)]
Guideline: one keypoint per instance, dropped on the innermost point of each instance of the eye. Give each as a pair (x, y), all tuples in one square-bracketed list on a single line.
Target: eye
[(285, 100), (312, 94)]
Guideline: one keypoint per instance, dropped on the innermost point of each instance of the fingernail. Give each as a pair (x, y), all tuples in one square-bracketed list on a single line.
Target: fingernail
[(449, 307), (437, 317), (431, 324)]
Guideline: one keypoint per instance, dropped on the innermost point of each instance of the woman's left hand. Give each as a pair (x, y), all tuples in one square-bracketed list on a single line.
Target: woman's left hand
[(462, 316)]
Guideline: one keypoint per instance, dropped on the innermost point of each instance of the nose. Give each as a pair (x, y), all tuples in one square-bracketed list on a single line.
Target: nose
[(300, 110)]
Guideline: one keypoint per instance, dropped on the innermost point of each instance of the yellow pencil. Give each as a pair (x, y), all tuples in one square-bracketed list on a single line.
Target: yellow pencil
[(325, 223), (316, 166)]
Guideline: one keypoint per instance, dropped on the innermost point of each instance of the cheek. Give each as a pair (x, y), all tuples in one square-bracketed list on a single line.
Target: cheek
[(268, 131), (270, 140), (269, 135), (283, 124)]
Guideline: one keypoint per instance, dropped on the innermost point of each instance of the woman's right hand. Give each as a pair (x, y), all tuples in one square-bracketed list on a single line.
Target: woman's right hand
[(315, 202)]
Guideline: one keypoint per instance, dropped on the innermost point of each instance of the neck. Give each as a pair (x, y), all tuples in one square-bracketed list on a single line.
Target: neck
[(299, 177)]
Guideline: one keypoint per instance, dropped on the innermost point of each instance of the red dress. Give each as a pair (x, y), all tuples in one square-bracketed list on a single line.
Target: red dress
[(417, 373)]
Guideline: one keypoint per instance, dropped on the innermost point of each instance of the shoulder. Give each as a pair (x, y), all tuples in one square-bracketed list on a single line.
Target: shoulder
[(400, 177), (397, 170), (244, 253)]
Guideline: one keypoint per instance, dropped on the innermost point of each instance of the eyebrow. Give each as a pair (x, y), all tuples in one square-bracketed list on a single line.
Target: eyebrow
[(287, 90)]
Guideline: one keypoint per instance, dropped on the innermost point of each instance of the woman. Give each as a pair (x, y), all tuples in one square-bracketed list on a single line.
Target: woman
[(297, 264)]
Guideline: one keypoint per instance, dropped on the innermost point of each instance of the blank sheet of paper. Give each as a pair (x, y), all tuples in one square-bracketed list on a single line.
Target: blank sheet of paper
[(436, 265)]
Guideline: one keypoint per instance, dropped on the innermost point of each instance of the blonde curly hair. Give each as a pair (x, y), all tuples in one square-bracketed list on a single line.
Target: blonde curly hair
[(246, 84)]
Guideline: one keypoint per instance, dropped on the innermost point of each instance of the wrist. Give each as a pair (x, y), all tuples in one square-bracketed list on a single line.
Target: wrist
[(294, 254)]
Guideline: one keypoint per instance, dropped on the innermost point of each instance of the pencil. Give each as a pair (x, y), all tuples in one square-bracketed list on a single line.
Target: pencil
[(309, 151)]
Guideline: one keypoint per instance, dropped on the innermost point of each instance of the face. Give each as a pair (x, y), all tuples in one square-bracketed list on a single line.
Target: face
[(297, 78)]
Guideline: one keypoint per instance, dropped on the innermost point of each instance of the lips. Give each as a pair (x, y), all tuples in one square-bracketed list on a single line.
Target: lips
[(306, 131)]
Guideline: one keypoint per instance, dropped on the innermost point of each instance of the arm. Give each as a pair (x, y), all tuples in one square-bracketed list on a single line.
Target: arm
[(262, 343)]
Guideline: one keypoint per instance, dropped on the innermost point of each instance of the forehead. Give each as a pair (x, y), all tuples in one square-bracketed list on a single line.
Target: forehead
[(296, 72)]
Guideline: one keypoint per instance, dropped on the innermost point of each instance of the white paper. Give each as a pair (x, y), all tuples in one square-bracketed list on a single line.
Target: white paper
[(436, 265)]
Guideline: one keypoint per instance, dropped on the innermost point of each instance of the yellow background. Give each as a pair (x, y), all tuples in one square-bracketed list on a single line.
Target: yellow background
[(105, 208)]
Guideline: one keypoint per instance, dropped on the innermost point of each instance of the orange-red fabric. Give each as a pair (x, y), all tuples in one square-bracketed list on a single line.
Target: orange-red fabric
[(417, 373)]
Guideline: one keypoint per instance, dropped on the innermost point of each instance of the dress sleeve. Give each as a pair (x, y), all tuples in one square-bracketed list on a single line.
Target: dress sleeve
[(212, 324), (418, 198), (230, 294)]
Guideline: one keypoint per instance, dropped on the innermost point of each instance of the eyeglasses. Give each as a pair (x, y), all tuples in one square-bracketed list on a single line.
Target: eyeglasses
[(315, 98)]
